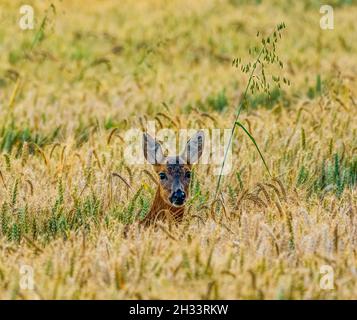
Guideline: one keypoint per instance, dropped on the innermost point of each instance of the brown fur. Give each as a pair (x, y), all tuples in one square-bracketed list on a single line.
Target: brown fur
[(161, 208), (176, 173)]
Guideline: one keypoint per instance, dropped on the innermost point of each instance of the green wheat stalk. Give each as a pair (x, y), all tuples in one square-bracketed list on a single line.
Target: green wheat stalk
[(240, 107)]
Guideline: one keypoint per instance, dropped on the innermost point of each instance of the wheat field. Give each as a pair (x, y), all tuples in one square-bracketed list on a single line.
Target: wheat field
[(89, 71)]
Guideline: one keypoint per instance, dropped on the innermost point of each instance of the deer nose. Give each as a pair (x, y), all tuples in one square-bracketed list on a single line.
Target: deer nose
[(178, 197)]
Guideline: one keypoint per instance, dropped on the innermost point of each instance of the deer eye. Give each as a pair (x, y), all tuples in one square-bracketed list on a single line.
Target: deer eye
[(162, 175), (188, 174)]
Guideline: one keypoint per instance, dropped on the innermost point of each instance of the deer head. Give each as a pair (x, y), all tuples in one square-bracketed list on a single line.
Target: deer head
[(174, 172)]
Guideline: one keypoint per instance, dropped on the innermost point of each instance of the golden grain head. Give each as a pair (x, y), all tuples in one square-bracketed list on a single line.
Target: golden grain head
[(69, 92)]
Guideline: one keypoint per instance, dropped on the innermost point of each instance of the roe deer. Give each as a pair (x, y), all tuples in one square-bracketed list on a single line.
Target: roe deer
[(175, 174)]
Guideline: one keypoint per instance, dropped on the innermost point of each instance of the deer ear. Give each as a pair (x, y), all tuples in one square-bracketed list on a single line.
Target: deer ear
[(152, 150), (194, 148)]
